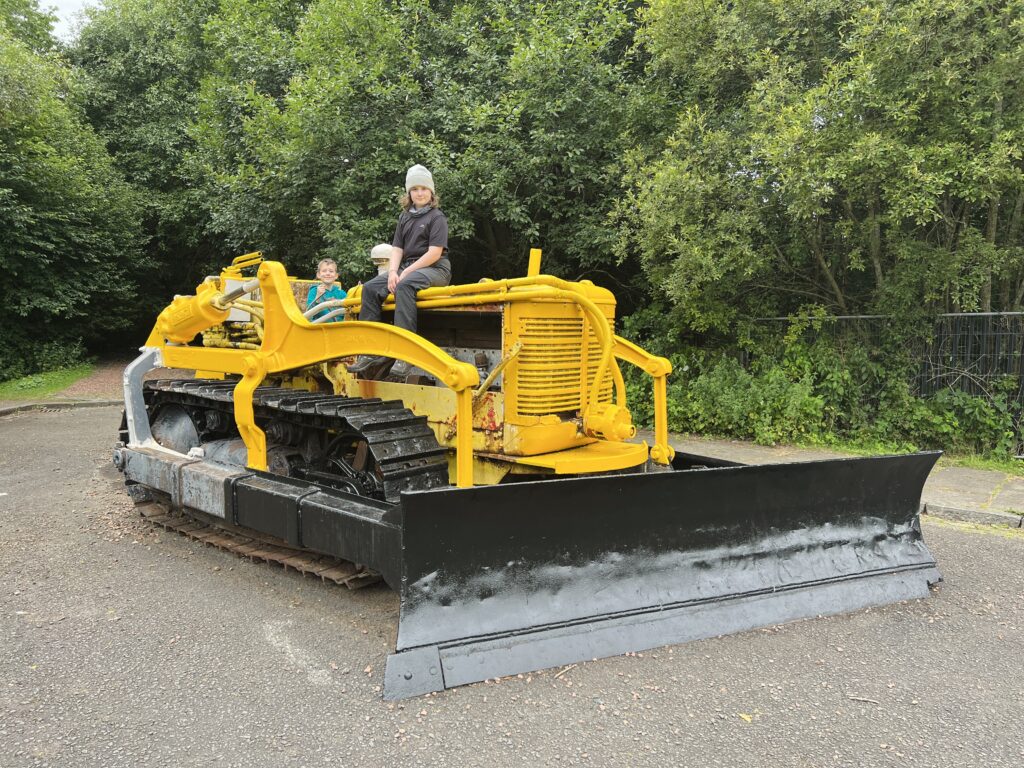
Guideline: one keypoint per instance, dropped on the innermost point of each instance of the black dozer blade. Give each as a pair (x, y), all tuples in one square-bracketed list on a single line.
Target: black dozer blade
[(507, 579)]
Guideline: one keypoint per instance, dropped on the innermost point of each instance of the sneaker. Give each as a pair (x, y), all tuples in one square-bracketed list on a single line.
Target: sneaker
[(401, 369)]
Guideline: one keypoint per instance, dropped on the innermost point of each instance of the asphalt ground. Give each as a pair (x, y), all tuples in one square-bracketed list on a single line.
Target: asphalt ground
[(124, 645)]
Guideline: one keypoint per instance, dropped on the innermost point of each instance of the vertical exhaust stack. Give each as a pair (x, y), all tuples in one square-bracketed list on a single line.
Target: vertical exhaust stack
[(534, 266)]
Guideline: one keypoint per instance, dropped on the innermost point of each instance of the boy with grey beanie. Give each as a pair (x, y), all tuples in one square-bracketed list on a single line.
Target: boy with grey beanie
[(419, 259), (419, 176)]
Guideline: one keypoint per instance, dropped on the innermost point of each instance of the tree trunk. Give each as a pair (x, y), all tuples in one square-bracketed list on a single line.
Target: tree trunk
[(1019, 298), (492, 241), (958, 223), (819, 256), (875, 240), (1014, 229), (993, 212), (990, 236), (949, 218)]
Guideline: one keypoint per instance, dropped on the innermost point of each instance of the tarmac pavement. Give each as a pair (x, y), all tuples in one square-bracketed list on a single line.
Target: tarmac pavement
[(125, 645)]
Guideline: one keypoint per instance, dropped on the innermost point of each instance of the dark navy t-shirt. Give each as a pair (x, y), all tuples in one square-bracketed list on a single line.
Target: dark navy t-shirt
[(415, 234)]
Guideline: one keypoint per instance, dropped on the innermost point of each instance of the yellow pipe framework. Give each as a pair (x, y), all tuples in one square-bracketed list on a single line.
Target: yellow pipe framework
[(657, 368), (525, 289), (549, 287)]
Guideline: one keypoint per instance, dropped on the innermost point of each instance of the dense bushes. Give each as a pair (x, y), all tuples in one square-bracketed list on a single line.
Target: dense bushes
[(768, 406), (863, 156), (69, 223), (826, 392)]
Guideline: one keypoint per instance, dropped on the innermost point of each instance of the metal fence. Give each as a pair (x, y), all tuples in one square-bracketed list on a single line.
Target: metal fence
[(972, 352)]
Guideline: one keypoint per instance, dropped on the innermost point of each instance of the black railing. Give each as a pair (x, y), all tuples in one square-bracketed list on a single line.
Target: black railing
[(977, 353), (973, 353)]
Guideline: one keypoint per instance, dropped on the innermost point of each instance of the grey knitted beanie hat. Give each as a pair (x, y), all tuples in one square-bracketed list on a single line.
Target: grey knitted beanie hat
[(418, 176)]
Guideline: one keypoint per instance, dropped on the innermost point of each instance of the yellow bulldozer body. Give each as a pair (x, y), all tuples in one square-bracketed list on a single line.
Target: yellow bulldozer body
[(553, 402)]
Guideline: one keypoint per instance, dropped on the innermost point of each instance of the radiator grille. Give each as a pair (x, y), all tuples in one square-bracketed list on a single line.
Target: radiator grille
[(549, 366)]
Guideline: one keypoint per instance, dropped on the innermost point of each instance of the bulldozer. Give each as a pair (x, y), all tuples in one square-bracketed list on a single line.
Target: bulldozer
[(499, 486)]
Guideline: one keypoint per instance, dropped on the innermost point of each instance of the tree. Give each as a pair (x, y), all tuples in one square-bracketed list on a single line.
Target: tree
[(141, 63), (859, 157), (516, 107), (71, 241), (24, 20)]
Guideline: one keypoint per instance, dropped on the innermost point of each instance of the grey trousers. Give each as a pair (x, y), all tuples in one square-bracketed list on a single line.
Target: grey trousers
[(376, 290)]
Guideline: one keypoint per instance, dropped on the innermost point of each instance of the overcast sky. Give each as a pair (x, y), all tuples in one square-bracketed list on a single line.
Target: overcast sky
[(66, 10)]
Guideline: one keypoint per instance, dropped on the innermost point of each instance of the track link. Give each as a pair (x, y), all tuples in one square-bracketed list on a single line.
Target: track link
[(399, 452), (260, 548)]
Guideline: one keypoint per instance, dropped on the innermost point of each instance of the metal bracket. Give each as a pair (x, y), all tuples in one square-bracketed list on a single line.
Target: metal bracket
[(413, 673), (513, 353), (134, 403)]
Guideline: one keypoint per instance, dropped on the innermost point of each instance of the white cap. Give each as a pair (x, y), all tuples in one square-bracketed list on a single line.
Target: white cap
[(418, 176)]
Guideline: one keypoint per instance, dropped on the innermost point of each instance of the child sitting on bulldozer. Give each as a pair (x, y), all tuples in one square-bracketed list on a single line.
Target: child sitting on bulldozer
[(327, 290)]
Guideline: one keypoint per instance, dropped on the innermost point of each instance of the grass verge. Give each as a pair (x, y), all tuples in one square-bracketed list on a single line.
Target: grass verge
[(988, 530), (1009, 466), (40, 385), (1013, 467), (973, 461)]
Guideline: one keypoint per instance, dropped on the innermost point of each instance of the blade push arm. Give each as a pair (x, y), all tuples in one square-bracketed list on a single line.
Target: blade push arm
[(290, 341), (658, 368)]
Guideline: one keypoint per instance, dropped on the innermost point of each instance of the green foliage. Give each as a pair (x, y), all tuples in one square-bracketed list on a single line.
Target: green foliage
[(809, 388), (768, 407), (863, 157), (972, 424), (517, 109), (859, 157), (25, 21), (139, 64), (69, 223)]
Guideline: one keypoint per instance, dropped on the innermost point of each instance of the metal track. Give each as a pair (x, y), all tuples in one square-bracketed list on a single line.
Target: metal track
[(261, 548), (405, 451), (402, 454)]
